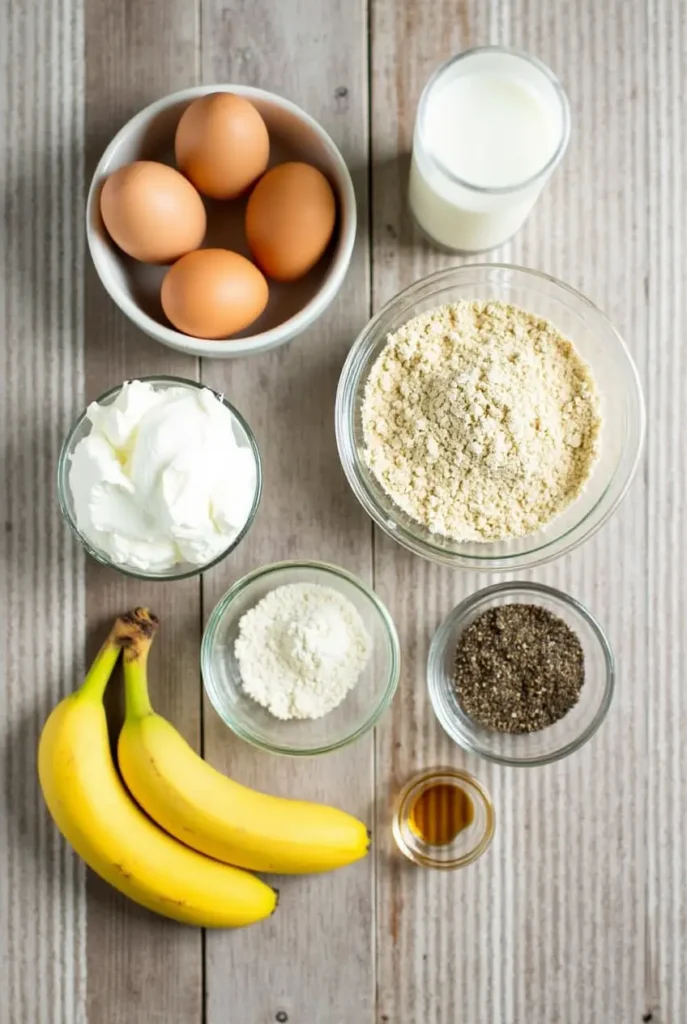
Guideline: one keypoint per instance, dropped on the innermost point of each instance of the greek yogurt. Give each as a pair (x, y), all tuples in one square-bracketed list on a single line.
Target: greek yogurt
[(165, 476)]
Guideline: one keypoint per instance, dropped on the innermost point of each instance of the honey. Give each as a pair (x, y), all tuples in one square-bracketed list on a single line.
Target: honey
[(443, 818), (440, 813)]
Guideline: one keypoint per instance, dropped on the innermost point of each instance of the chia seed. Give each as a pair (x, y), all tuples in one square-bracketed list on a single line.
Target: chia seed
[(518, 668)]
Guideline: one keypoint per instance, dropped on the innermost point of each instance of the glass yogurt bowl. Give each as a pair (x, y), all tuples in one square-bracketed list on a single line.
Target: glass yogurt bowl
[(81, 428), (597, 341)]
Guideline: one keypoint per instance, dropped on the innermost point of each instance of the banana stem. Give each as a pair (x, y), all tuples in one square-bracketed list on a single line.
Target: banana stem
[(132, 633), (137, 632)]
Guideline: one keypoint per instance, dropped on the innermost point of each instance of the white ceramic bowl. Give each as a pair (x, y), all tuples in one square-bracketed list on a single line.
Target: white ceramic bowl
[(135, 287)]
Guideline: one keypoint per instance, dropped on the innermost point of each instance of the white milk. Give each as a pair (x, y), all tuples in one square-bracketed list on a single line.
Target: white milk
[(491, 126)]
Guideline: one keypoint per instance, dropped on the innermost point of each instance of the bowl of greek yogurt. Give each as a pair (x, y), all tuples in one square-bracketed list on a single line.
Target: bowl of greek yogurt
[(160, 478)]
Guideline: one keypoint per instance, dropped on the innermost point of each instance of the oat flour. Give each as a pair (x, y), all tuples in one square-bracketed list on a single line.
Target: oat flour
[(481, 421)]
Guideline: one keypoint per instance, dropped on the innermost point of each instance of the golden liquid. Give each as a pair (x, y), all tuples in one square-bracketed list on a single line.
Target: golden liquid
[(440, 813)]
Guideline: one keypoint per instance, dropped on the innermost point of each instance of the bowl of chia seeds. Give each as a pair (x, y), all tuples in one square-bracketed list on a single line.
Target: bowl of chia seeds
[(521, 674)]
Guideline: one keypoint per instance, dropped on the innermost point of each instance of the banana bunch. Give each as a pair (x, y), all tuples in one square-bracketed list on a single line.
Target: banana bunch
[(184, 857)]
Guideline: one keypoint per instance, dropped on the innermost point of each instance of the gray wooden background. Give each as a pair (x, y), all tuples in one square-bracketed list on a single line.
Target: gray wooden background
[(578, 914)]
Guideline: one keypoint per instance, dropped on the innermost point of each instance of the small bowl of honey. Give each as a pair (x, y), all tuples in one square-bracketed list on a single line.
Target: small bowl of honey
[(444, 818)]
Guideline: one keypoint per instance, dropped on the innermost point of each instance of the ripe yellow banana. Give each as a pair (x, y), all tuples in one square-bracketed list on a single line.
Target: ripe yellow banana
[(98, 817), (216, 815)]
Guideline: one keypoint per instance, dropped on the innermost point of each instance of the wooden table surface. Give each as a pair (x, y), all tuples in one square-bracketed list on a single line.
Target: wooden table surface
[(578, 914)]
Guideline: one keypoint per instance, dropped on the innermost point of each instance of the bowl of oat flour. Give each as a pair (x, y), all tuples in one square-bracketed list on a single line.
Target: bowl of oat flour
[(300, 658), (489, 417)]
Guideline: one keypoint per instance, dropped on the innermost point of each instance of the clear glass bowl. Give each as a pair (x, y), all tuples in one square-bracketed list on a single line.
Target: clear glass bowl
[(534, 748), (469, 844), (622, 409), (359, 710), (81, 429)]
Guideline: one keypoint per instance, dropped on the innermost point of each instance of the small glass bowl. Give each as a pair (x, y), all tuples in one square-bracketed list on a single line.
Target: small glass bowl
[(468, 845), (534, 748), (81, 428), (596, 340), (360, 709)]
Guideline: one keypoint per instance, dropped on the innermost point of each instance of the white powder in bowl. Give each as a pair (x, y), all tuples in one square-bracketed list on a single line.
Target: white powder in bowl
[(301, 649)]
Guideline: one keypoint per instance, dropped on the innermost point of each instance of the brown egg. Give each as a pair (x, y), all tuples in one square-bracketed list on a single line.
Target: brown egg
[(221, 144), (152, 212), (289, 220), (213, 293)]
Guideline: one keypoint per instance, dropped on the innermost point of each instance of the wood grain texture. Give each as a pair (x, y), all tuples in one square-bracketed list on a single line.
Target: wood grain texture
[(549, 926), (42, 608), (141, 968), (314, 959), (667, 584), (578, 913)]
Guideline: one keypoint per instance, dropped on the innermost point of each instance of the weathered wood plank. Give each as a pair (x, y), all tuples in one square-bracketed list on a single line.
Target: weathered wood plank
[(549, 926), (42, 610), (141, 968), (666, 213), (314, 959)]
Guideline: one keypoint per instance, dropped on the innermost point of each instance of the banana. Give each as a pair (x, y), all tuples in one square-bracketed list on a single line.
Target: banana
[(92, 809), (216, 815)]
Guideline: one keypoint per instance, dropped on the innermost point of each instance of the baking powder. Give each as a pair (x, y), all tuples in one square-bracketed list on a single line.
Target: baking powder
[(301, 649)]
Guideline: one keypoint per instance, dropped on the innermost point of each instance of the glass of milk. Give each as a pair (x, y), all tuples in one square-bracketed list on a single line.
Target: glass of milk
[(492, 124)]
